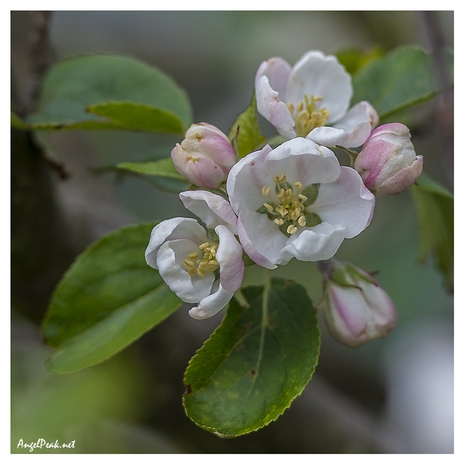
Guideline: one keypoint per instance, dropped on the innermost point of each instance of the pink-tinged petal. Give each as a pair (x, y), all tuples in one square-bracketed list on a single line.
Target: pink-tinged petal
[(315, 243), (360, 314), (388, 163), (350, 131), (277, 70), (346, 322), (355, 306), (212, 209), (320, 76), (229, 256), (402, 180), (172, 229), (170, 264), (204, 139), (246, 179), (373, 159), (304, 161), (346, 202), (260, 238), (198, 169), (272, 108), (212, 304)]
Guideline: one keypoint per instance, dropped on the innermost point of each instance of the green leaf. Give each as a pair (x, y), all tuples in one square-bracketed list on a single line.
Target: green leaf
[(110, 92), (435, 216), (256, 362), (402, 78), (161, 173), (18, 123), (245, 134), (137, 116), (106, 300), (353, 59)]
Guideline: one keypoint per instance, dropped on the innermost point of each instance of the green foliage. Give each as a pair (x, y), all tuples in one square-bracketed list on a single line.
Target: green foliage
[(107, 299), (245, 134), (435, 216), (162, 173), (18, 123), (400, 79), (257, 361), (138, 116), (354, 59), (110, 92)]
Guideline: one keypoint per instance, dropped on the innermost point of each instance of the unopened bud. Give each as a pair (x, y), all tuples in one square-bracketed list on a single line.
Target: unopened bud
[(205, 156), (387, 162), (356, 308)]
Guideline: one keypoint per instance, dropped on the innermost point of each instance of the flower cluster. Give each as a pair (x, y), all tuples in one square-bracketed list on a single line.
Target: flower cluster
[(291, 201)]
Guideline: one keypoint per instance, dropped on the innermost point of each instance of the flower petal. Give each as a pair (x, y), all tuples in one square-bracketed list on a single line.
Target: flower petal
[(170, 264), (198, 169), (229, 256), (212, 209), (260, 238), (346, 202), (350, 131), (273, 109), (246, 179), (212, 304), (171, 229), (320, 76), (402, 179), (315, 243), (277, 70), (304, 161)]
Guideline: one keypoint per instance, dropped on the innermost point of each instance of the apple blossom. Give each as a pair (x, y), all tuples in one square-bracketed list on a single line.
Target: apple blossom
[(355, 307), (304, 101), (205, 156), (199, 266), (296, 201), (387, 162)]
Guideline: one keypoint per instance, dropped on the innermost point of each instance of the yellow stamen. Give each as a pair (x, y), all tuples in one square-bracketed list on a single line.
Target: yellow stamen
[(198, 263), (291, 229), (268, 207)]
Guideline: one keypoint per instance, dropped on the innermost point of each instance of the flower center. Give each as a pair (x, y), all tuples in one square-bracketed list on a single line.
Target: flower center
[(203, 260), (289, 211), (306, 116)]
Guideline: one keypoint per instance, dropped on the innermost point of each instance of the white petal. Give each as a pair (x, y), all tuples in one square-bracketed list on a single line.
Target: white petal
[(260, 238), (172, 229), (320, 76), (170, 264), (304, 161), (212, 304), (315, 243), (246, 179), (277, 70), (346, 202), (350, 131), (273, 109), (229, 256), (212, 209)]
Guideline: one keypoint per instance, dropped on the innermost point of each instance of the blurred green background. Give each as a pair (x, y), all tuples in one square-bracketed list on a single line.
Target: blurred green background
[(390, 396)]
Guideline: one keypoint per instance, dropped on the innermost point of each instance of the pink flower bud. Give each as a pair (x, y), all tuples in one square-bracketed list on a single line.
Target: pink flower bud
[(356, 308), (205, 156), (388, 163)]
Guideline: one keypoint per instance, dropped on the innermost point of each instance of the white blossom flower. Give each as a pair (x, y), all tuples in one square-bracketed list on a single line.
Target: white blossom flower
[(198, 265), (296, 201), (355, 307), (312, 100)]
